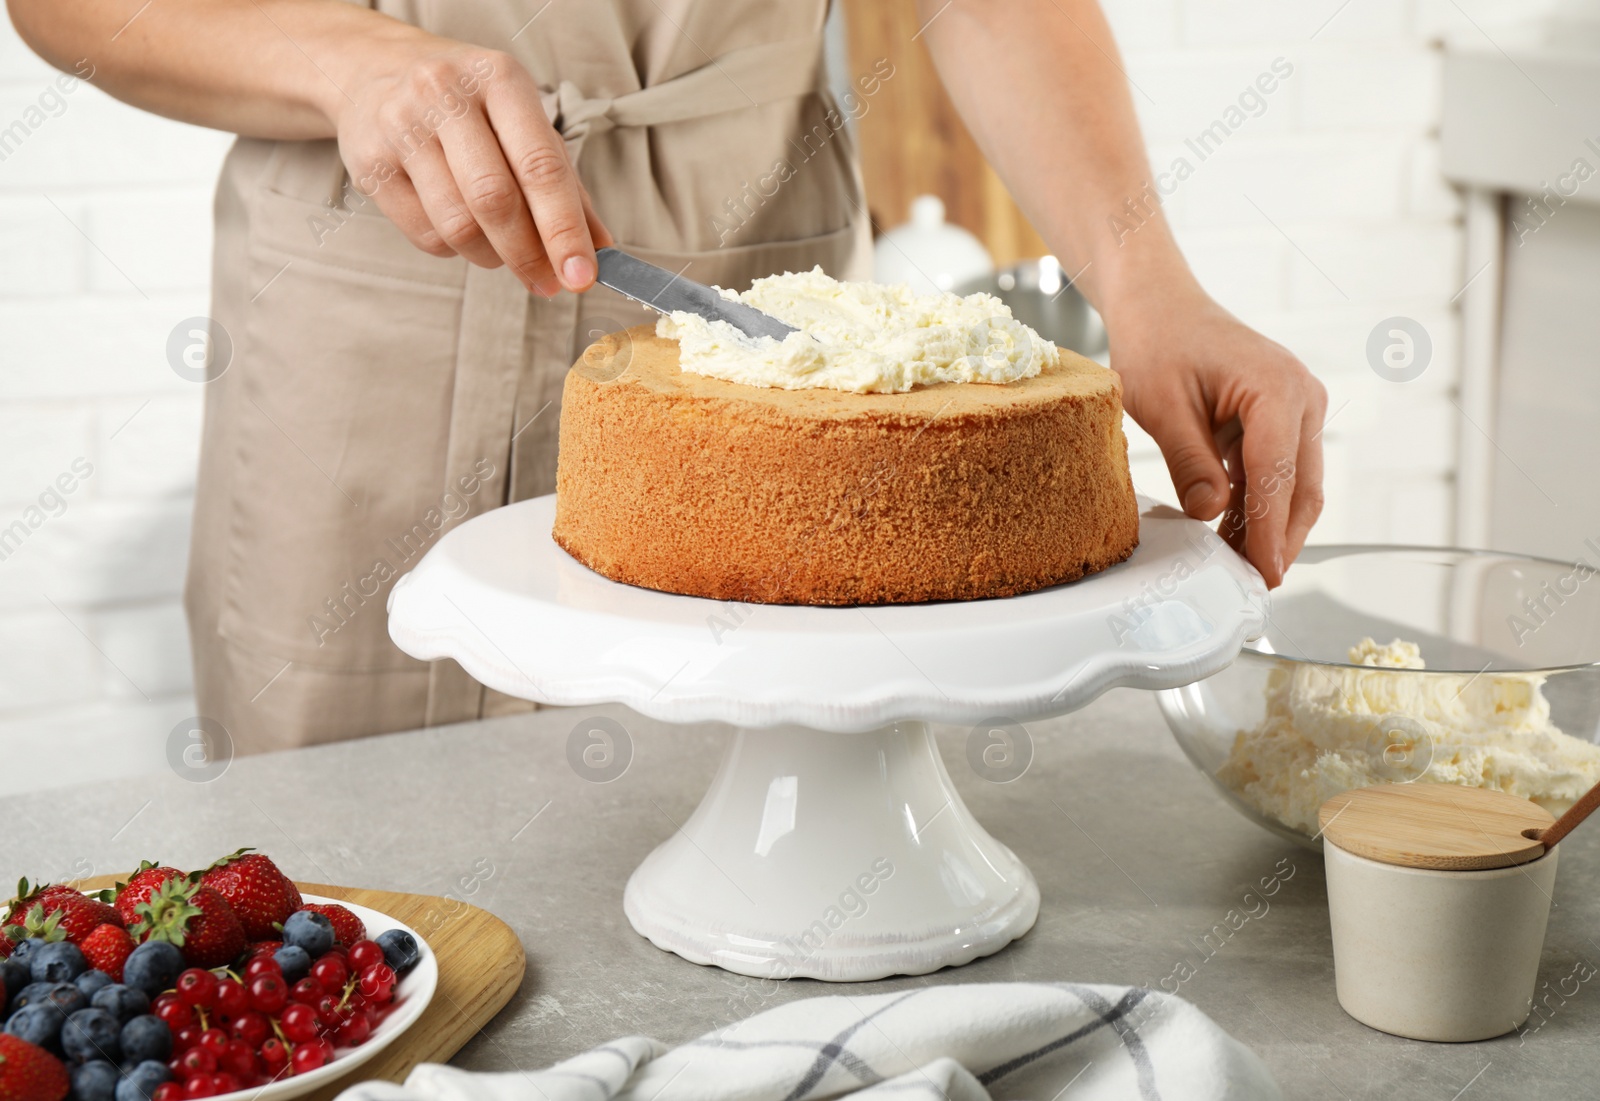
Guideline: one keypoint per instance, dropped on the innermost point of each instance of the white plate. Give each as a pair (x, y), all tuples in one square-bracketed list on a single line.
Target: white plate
[(522, 616), (412, 995)]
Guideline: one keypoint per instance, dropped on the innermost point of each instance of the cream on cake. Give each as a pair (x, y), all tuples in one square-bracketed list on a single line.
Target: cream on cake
[(1332, 728), (900, 448)]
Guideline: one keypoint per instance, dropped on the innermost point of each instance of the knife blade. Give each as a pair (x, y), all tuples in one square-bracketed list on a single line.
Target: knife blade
[(662, 290)]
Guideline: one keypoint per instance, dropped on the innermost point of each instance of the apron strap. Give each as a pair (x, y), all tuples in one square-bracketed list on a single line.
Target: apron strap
[(746, 77)]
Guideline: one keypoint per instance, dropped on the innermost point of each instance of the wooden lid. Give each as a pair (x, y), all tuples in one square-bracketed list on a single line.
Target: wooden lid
[(1440, 826)]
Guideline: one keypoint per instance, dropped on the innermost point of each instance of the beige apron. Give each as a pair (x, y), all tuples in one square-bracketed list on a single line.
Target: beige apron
[(377, 396)]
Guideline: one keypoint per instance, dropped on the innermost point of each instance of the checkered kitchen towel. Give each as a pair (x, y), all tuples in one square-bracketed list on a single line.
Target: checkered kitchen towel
[(974, 1042)]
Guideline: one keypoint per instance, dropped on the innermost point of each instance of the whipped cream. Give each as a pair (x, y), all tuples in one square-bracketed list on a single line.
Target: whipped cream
[(866, 338), (1329, 729)]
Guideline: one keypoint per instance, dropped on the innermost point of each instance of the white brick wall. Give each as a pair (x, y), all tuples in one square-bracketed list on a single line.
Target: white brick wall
[(105, 235)]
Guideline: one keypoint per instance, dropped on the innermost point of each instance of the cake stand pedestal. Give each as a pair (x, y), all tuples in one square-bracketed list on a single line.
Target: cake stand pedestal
[(832, 844)]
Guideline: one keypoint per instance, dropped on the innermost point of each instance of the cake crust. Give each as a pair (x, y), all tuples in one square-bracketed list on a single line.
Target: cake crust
[(674, 481)]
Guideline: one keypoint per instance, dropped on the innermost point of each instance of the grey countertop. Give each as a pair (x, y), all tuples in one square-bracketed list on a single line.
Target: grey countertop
[(1134, 884)]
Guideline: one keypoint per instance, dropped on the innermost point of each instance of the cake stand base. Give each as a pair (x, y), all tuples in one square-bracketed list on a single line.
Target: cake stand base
[(843, 857)]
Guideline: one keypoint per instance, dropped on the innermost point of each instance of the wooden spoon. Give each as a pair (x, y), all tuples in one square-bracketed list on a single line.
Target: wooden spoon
[(1564, 825)]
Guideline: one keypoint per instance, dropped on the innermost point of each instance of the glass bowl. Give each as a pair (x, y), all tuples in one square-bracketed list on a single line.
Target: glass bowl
[(1509, 698)]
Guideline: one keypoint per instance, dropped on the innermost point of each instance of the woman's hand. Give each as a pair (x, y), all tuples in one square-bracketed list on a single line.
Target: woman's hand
[(453, 144), (1239, 420)]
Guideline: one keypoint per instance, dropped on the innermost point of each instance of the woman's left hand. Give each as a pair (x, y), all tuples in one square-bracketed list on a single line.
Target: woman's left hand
[(1238, 418)]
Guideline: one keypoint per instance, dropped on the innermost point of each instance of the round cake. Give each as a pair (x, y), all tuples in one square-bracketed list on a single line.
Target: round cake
[(690, 484)]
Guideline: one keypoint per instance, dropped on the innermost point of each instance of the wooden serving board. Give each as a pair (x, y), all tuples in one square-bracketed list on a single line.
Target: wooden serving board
[(481, 962)]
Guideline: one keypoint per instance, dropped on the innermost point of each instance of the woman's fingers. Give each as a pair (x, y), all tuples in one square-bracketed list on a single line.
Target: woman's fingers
[(1193, 459), (545, 177), (446, 207), (493, 198), (1270, 447), (1308, 497)]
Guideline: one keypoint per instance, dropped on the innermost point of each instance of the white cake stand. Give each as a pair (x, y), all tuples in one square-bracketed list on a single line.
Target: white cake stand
[(832, 844)]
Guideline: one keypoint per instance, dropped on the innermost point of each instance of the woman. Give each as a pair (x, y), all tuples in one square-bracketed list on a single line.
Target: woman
[(404, 268)]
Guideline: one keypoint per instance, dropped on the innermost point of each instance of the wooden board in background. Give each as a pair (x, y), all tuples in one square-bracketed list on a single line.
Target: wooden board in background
[(481, 963)]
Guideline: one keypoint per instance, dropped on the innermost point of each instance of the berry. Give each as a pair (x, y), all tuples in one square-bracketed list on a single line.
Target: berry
[(39, 1025), (186, 1037), (327, 1008), (268, 994), (274, 1057), (63, 914), (306, 992), (14, 974), (196, 919), (363, 954), (91, 983), (239, 1060), (355, 1031), (199, 1086), (142, 1081), (377, 984), (308, 1057), (299, 1023), (330, 973), (214, 1040), (59, 961), (197, 1060), (140, 886), (107, 948), (223, 1082), (400, 950), (95, 1080), (25, 948), (259, 893), (347, 928), (168, 1091), (146, 1039), (65, 997), (172, 1010), (251, 1027), (5, 946), (293, 961), (198, 987), (29, 1073), (153, 967), (92, 1034), (122, 1002), (264, 947), (309, 930), (262, 965)]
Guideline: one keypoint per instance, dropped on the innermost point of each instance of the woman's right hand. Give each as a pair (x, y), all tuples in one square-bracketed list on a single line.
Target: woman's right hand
[(452, 143)]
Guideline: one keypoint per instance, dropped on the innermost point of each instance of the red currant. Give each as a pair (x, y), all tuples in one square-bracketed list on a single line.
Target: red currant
[(327, 1008), (363, 954), (199, 1086), (173, 1010), (198, 987), (268, 994), (377, 983), (186, 1037), (261, 965), (223, 1082), (197, 1060), (308, 1057), (239, 1061), (355, 1031), (168, 1091), (331, 973), (299, 1023), (231, 998), (214, 1040), (252, 1028), (274, 1057), (307, 991)]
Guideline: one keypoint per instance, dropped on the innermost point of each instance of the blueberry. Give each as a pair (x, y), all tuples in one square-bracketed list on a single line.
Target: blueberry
[(40, 1025), (142, 1081), (122, 1002), (146, 1038), (91, 1034), (22, 951), (58, 961), (309, 930), (92, 982), (15, 975), (33, 992), (63, 997), (294, 961), (94, 1081), (400, 950), (153, 967)]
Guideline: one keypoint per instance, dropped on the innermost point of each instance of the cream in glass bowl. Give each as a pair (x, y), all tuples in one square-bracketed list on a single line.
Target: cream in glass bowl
[(1405, 665)]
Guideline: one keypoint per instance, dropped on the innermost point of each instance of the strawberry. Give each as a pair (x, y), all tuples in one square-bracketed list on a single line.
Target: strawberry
[(259, 893), (107, 948), (195, 919), (5, 947), (29, 1073), (141, 884), (347, 928), (64, 915), (27, 895)]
